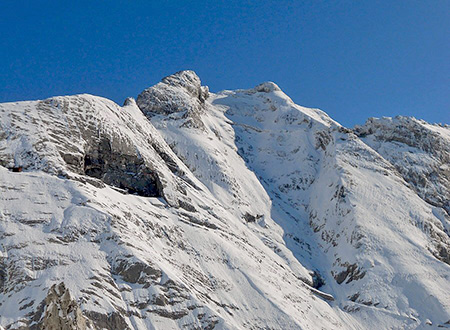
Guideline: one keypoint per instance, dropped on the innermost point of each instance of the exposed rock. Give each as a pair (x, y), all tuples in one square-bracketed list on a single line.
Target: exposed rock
[(124, 171), (354, 297), (179, 93), (318, 280), (252, 218), (258, 193), (136, 272), (352, 273), (186, 205), (400, 140), (129, 101), (2, 277), (61, 311), (111, 321), (323, 138), (85, 135), (189, 81), (3, 269)]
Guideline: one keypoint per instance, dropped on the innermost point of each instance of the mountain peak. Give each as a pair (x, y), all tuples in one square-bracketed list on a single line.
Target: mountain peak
[(129, 101), (235, 210), (187, 79), (179, 92), (267, 87)]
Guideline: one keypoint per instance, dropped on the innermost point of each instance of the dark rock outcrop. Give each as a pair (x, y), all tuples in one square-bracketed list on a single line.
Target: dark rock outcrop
[(111, 321), (136, 272), (124, 171), (351, 273)]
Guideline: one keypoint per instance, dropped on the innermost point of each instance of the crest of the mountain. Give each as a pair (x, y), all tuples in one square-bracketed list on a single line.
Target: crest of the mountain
[(180, 93), (231, 210)]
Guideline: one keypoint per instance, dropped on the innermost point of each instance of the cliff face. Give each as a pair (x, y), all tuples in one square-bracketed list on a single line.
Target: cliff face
[(235, 210)]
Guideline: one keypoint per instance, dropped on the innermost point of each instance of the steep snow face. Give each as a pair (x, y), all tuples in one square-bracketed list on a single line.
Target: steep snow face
[(79, 243), (419, 151), (384, 241), (334, 203), (378, 239), (209, 150), (235, 210)]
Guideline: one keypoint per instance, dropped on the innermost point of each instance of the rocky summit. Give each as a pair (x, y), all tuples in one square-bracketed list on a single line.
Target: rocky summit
[(188, 209)]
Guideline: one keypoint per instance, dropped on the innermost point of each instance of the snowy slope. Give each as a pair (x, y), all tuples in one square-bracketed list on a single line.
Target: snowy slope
[(374, 231), (332, 195), (235, 210), (419, 151), (129, 261)]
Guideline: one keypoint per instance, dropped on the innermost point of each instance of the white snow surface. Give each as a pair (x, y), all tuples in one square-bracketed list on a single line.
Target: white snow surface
[(272, 215)]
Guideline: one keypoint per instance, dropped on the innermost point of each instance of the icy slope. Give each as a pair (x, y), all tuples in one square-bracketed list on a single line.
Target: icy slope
[(78, 251)]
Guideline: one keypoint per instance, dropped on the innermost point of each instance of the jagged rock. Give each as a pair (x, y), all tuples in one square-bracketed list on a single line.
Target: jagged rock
[(83, 135), (61, 311), (129, 101), (124, 171), (352, 273), (317, 280), (136, 272), (189, 81), (179, 93), (252, 218), (111, 321), (2, 276)]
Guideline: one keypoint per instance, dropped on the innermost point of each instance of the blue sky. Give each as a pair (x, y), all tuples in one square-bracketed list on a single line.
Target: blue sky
[(352, 59)]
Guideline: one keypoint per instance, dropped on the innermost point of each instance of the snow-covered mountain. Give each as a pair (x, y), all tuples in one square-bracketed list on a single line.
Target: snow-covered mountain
[(187, 209)]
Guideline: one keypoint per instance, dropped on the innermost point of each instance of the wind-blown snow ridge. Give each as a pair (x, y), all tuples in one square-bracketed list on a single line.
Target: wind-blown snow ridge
[(231, 210)]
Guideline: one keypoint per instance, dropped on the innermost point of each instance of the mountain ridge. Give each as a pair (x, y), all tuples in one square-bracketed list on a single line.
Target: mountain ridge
[(229, 210)]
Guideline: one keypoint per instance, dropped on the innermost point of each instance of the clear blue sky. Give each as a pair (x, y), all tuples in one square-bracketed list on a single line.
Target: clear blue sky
[(352, 59)]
